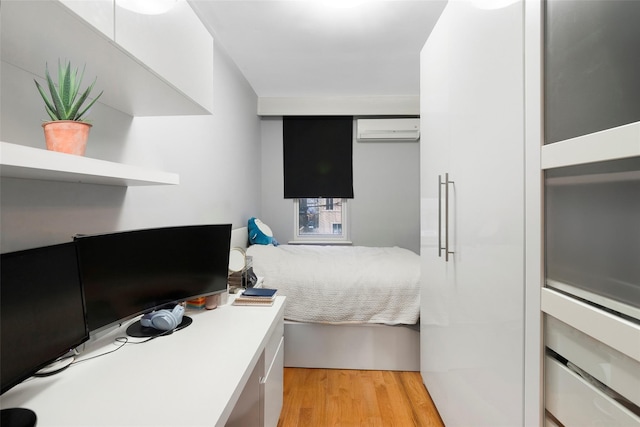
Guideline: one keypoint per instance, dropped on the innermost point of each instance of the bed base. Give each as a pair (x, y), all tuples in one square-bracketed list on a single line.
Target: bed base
[(358, 346)]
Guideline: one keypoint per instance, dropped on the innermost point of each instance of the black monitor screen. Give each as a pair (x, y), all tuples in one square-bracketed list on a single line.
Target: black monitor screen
[(133, 272), (42, 310)]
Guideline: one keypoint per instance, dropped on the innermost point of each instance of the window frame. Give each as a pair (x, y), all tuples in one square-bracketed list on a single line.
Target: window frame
[(321, 238)]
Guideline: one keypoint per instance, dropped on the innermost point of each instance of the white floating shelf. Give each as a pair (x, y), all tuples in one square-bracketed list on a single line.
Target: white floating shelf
[(19, 161), (617, 143)]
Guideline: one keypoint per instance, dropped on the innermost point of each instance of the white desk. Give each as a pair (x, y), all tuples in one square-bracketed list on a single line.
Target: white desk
[(193, 377)]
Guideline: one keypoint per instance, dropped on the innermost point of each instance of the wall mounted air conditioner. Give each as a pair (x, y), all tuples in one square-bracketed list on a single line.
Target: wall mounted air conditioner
[(388, 129)]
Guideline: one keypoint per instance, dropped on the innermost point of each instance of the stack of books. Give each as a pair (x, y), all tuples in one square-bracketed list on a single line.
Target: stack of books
[(256, 296)]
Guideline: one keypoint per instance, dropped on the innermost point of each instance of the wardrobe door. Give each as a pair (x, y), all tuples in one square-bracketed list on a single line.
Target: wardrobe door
[(435, 129), (472, 317)]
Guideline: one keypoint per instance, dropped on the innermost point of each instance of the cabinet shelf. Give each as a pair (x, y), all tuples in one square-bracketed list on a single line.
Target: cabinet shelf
[(611, 144), (18, 161), (608, 328)]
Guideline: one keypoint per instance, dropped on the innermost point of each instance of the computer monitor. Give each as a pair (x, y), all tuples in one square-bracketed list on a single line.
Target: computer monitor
[(42, 310), (129, 273)]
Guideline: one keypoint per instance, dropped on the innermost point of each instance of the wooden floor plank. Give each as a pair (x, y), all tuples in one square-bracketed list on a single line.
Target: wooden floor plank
[(424, 410), (346, 398)]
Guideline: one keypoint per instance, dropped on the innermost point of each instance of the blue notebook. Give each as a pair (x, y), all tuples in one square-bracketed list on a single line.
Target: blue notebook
[(259, 292)]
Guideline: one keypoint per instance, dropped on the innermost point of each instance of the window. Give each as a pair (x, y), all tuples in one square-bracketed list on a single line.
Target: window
[(320, 219), (318, 159)]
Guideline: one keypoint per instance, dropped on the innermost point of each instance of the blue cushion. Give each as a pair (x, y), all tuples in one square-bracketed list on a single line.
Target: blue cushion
[(260, 233)]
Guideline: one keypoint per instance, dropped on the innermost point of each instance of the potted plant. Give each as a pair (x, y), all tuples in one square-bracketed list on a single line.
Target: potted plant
[(67, 131)]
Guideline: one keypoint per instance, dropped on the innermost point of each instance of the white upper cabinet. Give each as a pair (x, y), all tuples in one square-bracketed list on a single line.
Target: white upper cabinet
[(39, 32), (98, 13), (174, 44)]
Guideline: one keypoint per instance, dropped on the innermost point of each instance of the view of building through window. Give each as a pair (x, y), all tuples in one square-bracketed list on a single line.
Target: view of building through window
[(320, 216)]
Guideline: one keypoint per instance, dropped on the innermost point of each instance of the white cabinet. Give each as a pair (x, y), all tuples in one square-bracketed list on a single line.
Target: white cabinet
[(472, 299), (591, 163), (248, 411), (261, 401), (39, 32), (174, 44), (98, 13)]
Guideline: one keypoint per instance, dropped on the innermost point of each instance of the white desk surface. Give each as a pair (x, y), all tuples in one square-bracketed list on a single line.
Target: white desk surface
[(192, 377)]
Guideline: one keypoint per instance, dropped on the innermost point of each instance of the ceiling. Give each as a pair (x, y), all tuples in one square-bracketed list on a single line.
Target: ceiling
[(324, 48)]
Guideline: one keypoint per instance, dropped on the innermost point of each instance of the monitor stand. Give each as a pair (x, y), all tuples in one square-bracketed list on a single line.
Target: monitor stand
[(17, 417), (57, 365), (136, 330)]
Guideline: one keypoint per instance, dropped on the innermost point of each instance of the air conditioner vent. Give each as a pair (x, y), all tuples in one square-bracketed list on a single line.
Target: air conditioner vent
[(407, 129)]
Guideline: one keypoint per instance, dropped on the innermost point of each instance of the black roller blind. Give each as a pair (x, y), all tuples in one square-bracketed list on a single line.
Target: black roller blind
[(318, 156)]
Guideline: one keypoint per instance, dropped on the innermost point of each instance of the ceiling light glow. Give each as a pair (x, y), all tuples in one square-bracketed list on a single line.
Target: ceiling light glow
[(147, 7), (493, 4), (343, 4)]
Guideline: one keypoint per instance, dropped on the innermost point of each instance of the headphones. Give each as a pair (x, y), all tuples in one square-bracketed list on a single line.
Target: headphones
[(164, 320)]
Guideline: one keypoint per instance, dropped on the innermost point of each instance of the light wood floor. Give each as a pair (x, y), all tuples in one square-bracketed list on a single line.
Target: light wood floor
[(335, 397)]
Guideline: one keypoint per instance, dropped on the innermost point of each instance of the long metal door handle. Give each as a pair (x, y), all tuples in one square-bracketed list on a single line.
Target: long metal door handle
[(446, 217), (446, 183), (440, 215)]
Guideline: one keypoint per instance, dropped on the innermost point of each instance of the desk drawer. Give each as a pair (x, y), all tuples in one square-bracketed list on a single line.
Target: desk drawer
[(575, 402), (609, 366), (274, 387), (271, 348)]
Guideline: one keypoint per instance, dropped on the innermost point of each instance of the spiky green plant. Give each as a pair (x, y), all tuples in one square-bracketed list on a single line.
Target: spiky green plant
[(64, 103)]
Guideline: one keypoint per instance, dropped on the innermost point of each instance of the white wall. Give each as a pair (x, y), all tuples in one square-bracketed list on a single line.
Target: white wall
[(385, 210), (227, 174), (217, 157)]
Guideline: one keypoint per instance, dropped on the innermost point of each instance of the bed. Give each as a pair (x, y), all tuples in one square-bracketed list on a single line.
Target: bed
[(342, 284), (348, 307)]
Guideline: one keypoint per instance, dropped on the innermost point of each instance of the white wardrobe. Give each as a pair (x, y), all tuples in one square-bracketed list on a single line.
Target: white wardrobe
[(480, 330)]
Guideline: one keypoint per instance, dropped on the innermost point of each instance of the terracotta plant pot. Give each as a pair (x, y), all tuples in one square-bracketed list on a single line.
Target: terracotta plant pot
[(66, 136)]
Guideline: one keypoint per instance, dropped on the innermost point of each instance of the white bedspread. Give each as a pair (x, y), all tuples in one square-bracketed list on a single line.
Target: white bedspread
[(342, 284)]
